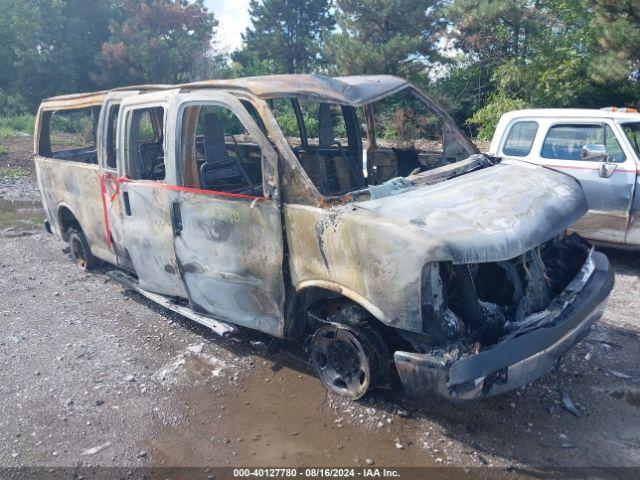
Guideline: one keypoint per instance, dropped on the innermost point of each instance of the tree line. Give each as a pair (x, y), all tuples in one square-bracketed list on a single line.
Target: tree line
[(478, 57)]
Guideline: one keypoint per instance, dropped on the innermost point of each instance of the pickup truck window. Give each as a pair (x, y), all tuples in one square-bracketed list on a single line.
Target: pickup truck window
[(145, 144), (70, 134), (565, 142), (632, 131), (613, 146), (520, 139), (218, 153)]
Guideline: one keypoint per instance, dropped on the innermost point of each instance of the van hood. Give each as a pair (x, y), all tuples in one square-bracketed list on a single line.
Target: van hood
[(489, 215)]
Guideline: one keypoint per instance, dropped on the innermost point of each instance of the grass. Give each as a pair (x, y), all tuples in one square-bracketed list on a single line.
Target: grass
[(12, 126), (3, 150), (67, 140), (12, 173)]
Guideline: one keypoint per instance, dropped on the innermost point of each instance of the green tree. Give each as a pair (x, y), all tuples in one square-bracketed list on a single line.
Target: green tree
[(493, 30), (385, 36), (537, 53), (285, 36), (486, 119), (156, 41), (619, 22), (50, 47)]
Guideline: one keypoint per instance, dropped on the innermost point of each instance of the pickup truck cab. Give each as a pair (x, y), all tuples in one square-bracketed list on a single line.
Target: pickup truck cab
[(600, 148), (349, 215)]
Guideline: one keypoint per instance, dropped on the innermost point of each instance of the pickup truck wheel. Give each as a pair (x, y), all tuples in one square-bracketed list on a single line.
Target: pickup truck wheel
[(80, 251), (348, 360)]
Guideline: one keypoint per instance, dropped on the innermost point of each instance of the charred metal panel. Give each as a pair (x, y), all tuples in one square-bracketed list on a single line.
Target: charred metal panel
[(488, 215), (75, 186), (373, 260), (351, 90), (516, 359), (149, 237), (374, 251), (230, 255)]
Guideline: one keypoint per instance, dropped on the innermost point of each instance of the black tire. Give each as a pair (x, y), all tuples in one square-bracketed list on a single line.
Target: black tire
[(80, 251), (349, 354)]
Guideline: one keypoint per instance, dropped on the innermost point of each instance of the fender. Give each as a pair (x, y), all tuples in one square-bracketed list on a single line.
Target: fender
[(348, 293)]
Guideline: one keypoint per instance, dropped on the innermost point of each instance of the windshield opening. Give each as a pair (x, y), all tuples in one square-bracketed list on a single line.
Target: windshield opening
[(632, 131), (344, 148)]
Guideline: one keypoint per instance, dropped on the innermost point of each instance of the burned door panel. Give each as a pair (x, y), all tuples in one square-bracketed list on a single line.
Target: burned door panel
[(75, 186), (146, 195), (228, 230), (230, 256), (149, 237)]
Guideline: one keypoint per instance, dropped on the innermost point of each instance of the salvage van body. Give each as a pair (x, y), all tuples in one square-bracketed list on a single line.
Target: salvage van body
[(271, 203)]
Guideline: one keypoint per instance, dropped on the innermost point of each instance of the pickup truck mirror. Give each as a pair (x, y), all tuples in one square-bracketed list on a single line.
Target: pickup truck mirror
[(594, 152)]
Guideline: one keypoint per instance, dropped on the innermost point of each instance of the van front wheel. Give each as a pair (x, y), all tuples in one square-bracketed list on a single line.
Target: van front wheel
[(80, 251), (349, 359)]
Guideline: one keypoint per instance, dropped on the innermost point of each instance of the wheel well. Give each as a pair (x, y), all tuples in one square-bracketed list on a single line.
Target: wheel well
[(323, 303), (67, 220)]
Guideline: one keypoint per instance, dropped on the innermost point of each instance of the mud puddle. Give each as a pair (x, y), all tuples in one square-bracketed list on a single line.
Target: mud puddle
[(279, 416), (20, 217), (631, 397)]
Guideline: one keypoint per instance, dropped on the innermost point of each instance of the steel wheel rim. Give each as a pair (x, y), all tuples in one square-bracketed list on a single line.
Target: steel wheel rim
[(340, 361)]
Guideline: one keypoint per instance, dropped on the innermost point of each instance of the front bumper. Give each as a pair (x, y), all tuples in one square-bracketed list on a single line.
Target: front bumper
[(519, 359)]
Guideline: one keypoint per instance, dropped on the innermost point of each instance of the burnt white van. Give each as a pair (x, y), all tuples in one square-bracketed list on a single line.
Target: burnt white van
[(348, 214)]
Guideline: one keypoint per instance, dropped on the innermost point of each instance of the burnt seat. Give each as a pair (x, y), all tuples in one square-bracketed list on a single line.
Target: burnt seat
[(220, 171)]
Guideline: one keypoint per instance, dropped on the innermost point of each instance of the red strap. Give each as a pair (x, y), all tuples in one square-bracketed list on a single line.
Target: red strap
[(200, 191), (103, 195), (115, 182)]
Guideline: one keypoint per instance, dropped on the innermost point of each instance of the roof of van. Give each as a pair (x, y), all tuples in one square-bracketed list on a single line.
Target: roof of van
[(571, 112), (352, 90), (80, 96)]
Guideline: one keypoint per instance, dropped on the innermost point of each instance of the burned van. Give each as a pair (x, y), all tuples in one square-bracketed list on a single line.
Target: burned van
[(349, 215)]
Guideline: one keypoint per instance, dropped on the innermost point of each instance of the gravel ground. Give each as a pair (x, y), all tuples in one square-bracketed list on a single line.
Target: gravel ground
[(92, 374)]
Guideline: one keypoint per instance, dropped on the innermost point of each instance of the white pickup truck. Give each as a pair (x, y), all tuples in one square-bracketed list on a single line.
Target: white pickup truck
[(601, 148)]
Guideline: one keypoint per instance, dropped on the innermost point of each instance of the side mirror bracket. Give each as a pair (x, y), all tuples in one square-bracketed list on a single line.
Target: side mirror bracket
[(605, 170), (598, 153)]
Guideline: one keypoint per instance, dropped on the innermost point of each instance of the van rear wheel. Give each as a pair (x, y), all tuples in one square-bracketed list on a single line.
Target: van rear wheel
[(80, 251)]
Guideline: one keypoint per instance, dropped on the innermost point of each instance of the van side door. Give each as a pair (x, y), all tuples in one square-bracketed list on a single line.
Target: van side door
[(109, 184), (146, 180), (227, 216)]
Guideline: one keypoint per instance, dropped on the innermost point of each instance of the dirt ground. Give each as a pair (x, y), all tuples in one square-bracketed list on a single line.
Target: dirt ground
[(92, 374)]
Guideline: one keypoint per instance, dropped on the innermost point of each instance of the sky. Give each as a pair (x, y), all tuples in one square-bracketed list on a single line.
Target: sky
[(233, 16)]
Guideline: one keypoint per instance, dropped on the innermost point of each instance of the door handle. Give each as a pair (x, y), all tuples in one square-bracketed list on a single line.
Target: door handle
[(176, 218), (127, 205)]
